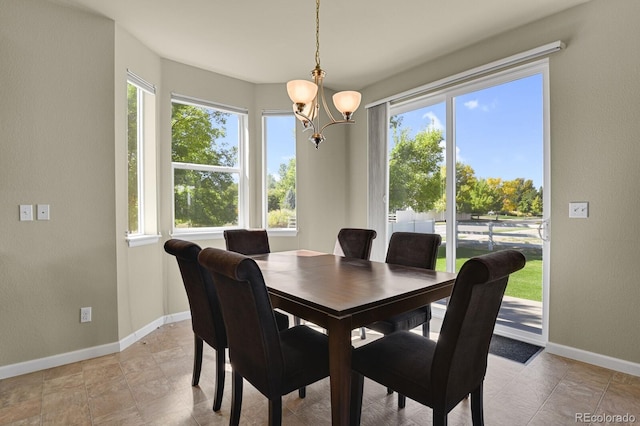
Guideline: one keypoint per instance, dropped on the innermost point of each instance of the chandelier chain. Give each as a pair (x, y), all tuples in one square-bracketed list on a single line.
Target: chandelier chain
[(317, 34)]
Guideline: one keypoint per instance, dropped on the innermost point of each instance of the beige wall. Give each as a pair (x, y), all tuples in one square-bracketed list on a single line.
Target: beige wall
[(595, 135), (62, 116), (57, 138)]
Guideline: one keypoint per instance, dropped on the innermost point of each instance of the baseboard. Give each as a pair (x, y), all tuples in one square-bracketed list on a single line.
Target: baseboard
[(26, 367), (556, 349), (594, 358)]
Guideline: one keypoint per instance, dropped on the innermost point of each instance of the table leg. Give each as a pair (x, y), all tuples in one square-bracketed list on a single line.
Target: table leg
[(340, 369)]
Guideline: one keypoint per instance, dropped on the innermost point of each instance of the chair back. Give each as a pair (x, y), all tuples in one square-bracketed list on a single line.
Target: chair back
[(252, 334), (355, 242), (414, 249), (247, 241), (460, 358), (206, 316)]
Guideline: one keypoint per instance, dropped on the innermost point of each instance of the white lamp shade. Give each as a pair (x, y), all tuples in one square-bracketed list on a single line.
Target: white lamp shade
[(302, 91), (347, 102)]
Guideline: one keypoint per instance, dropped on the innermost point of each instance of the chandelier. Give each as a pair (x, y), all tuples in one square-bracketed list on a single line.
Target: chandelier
[(307, 95)]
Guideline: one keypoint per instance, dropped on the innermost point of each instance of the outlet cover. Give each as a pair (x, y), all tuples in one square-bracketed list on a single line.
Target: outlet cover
[(85, 314)]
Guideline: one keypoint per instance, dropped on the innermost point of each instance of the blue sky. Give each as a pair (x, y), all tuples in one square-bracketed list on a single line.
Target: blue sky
[(499, 130)]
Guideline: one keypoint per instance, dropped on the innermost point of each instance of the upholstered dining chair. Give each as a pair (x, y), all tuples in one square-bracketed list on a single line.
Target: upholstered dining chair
[(441, 374), (420, 251), (356, 243), (206, 316), (274, 362), (247, 241)]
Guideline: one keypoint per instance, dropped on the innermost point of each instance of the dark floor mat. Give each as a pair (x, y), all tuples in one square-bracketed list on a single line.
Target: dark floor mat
[(514, 350)]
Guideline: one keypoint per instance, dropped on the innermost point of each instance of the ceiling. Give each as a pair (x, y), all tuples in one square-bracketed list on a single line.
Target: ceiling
[(361, 41)]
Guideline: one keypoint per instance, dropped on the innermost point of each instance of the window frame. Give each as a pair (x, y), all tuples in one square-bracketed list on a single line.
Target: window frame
[(147, 232), (241, 170), (265, 173)]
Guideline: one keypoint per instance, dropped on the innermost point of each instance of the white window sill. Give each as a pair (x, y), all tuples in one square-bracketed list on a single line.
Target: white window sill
[(142, 240), (282, 232), (198, 235)]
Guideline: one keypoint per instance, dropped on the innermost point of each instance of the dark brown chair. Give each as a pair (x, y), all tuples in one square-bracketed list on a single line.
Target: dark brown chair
[(355, 242), (441, 374), (206, 316), (247, 241), (420, 251), (274, 362)]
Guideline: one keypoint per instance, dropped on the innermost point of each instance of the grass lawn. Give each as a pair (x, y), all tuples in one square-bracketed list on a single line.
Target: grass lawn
[(524, 284)]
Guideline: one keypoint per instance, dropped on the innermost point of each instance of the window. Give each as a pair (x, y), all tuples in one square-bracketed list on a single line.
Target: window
[(141, 192), (208, 166), (279, 134)]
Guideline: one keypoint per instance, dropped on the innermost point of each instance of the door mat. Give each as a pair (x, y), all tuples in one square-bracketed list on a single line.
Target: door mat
[(514, 350)]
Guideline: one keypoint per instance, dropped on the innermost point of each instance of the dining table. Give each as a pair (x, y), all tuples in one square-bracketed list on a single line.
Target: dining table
[(340, 294)]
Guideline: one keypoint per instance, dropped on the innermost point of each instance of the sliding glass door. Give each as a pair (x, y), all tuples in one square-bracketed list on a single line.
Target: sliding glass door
[(470, 164)]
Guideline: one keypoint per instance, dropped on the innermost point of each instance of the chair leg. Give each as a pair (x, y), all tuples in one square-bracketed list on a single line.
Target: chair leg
[(477, 410), (217, 398), (426, 329), (236, 398), (389, 391), (355, 408), (197, 360), (363, 334), (302, 392), (402, 401), (275, 412)]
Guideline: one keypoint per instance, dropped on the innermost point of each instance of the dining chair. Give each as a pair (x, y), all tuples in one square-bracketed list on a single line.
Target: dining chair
[(206, 317), (355, 243), (274, 362), (443, 373), (247, 241), (420, 251)]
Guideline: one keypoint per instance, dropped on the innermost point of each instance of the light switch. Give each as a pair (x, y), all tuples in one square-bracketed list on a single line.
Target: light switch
[(43, 211), (579, 209), (26, 212)]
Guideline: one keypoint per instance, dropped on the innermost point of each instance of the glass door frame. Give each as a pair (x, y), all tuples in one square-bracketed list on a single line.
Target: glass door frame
[(448, 95)]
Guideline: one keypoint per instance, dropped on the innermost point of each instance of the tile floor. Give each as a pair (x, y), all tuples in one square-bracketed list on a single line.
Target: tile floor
[(149, 383)]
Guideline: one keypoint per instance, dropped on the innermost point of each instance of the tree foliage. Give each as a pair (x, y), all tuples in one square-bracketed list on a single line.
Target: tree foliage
[(132, 154), (414, 170), (417, 180), (203, 198), (281, 195)]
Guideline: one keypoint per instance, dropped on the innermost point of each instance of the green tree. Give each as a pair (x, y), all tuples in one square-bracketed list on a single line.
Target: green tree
[(132, 152), (465, 185), (281, 195), (486, 195), (414, 170), (203, 198)]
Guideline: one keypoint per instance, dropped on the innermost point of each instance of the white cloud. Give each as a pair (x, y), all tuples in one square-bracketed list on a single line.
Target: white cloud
[(472, 104), (434, 121)]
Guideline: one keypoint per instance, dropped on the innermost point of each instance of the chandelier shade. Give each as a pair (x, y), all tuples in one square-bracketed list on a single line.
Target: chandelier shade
[(307, 96)]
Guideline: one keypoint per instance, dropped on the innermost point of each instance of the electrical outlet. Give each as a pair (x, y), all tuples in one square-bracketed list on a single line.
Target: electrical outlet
[(85, 314)]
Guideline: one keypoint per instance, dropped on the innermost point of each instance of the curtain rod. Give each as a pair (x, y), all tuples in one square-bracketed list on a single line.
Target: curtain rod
[(500, 64)]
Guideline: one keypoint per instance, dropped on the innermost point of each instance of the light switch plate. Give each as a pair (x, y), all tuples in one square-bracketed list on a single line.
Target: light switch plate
[(26, 212), (579, 209), (43, 211)]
